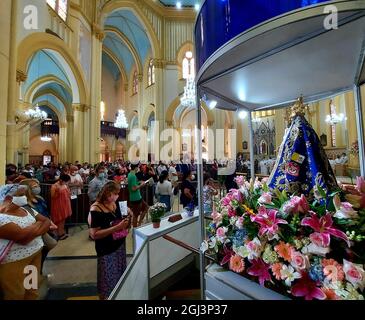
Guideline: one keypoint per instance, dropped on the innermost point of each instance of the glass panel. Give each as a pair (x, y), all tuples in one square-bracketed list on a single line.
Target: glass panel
[(62, 9), (134, 283), (52, 4)]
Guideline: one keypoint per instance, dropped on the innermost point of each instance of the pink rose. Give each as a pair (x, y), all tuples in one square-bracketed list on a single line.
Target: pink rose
[(239, 223), (319, 239), (355, 274), (217, 217), (265, 198), (299, 261), (240, 180), (221, 233)]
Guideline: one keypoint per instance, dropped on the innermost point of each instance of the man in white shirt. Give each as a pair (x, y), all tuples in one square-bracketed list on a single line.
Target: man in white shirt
[(173, 173), (76, 182), (344, 158)]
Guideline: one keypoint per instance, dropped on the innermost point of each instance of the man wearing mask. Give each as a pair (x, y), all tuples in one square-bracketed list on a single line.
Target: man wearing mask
[(138, 206), (96, 184)]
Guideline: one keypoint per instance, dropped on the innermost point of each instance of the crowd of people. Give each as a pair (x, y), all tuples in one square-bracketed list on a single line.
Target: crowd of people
[(28, 221)]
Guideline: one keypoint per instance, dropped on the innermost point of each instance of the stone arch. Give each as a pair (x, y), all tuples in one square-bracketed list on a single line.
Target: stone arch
[(133, 6), (36, 85), (38, 41), (146, 114), (176, 102)]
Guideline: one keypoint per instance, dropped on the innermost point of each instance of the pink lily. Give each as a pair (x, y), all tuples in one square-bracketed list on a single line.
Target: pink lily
[(227, 255), (324, 230), (260, 269), (307, 288), (268, 221), (360, 184)]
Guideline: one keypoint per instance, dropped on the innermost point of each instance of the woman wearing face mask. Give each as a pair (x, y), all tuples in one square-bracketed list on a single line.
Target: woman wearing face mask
[(97, 183), (61, 205), (188, 191), (39, 205), (22, 233), (111, 250)]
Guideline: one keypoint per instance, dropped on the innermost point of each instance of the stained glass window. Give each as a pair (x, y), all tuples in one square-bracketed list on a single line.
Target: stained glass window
[(151, 73), (135, 83), (188, 65)]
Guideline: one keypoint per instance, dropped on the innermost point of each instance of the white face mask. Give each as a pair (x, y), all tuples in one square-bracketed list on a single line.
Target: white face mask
[(20, 201), (192, 177)]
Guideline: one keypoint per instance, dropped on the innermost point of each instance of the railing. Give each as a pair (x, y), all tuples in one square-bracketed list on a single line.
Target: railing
[(108, 129)]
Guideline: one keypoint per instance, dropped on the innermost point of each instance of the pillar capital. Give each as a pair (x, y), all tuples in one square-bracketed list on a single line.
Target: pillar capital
[(210, 123), (169, 123), (80, 107), (159, 63), (98, 32), (21, 76)]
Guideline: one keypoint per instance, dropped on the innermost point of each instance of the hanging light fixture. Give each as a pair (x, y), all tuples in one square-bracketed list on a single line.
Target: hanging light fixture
[(36, 113), (333, 118), (121, 121)]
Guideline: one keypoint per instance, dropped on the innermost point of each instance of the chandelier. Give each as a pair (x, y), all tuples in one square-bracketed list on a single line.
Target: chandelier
[(36, 113), (189, 97), (121, 121), (334, 118), (46, 139)]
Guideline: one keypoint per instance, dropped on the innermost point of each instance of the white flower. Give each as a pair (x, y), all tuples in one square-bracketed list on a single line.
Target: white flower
[(289, 274), (314, 249), (204, 246), (233, 220), (240, 251), (252, 249), (239, 223)]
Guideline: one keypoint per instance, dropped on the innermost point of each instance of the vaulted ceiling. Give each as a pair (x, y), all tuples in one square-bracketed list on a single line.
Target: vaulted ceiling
[(126, 40)]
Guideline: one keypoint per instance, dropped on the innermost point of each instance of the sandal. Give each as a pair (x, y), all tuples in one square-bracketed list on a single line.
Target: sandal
[(63, 237)]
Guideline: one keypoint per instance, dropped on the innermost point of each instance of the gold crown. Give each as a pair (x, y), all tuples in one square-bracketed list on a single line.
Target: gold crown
[(298, 109)]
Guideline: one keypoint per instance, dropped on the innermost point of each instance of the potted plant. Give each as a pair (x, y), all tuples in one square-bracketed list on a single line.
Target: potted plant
[(156, 212)]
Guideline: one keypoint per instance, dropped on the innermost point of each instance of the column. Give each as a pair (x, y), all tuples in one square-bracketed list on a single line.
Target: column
[(160, 101), (70, 138), (78, 129), (5, 25), (9, 42), (352, 128), (94, 111), (62, 143)]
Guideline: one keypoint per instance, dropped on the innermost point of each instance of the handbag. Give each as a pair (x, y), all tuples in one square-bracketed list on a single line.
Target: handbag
[(49, 242), (5, 246)]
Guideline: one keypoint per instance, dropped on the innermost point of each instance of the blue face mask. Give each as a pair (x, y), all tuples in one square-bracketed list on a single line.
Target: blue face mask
[(102, 176)]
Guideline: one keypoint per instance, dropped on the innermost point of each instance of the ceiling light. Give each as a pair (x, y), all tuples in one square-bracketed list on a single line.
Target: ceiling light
[(197, 7), (178, 5), (242, 114), (212, 104)]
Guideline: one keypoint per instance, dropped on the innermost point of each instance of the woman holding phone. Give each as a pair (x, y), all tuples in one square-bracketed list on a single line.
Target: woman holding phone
[(109, 230)]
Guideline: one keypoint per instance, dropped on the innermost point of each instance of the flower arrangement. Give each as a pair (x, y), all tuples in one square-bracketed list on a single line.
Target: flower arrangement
[(355, 148), (300, 247), (157, 211)]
